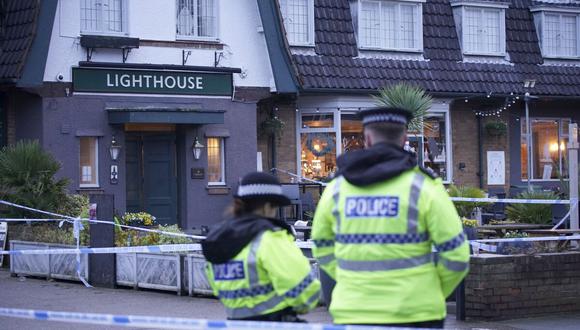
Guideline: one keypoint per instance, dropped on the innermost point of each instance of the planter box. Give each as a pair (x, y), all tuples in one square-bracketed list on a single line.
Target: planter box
[(161, 271), (47, 265)]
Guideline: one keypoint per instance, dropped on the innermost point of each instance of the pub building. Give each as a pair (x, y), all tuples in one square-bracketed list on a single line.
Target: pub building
[(333, 57), (162, 116)]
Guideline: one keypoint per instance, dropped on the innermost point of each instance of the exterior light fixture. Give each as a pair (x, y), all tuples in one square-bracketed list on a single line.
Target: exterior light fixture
[(114, 149), (529, 83), (197, 148)]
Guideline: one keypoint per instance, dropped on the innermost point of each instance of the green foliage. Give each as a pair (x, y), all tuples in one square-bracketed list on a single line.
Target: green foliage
[(515, 234), (408, 97), (138, 219), (75, 206), (496, 128), (468, 223), (27, 176), (532, 213), (48, 233), (465, 208), (167, 239), (272, 126)]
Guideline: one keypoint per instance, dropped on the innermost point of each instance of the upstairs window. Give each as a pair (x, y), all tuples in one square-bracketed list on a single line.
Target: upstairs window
[(389, 25), (103, 16), (197, 19), (558, 33), (298, 16), (481, 29)]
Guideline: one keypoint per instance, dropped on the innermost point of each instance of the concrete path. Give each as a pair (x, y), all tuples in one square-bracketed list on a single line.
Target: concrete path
[(30, 293)]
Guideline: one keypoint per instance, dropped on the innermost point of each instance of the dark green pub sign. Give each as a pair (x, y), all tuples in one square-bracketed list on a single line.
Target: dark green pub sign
[(103, 80)]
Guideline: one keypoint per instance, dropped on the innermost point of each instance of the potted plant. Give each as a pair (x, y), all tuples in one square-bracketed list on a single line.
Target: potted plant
[(470, 228), (515, 247), (272, 126), (465, 209), (496, 128)]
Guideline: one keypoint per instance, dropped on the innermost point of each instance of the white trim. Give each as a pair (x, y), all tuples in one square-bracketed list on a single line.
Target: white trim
[(90, 185), (259, 189), (542, 8), (222, 145), (153, 95), (124, 22), (480, 4), (540, 23), (502, 30), (197, 37), (310, 26)]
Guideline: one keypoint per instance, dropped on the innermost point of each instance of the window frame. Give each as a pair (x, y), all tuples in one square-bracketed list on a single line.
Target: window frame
[(197, 37), (502, 29), (124, 22), (311, 34), (540, 23), (90, 185), (561, 134), (418, 25), (336, 128), (222, 144)]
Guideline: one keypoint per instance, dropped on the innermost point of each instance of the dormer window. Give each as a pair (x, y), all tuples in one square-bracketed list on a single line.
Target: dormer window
[(481, 27), (298, 16), (558, 32), (389, 25)]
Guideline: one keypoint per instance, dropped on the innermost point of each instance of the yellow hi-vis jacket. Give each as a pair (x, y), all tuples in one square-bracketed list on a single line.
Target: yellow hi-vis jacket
[(268, 275), (376, 242)]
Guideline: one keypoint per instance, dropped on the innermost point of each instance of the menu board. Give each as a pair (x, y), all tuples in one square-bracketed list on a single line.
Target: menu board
[(3, 235)]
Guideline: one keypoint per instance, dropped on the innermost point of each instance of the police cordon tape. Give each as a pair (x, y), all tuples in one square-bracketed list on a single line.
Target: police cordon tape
[(136, 321), (510, 200), (107, 250)]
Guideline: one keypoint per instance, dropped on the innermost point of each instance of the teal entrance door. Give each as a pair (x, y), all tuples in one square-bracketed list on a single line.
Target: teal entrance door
[(152, 175)]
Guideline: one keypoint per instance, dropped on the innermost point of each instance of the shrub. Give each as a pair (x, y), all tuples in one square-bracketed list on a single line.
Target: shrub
[(167, 239), (465, 208), (27, 176), (408, 97), (532, 213), (75, 206)]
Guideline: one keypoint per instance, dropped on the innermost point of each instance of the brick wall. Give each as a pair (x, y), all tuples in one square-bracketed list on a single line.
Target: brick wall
[(465, 144), (507, 287)]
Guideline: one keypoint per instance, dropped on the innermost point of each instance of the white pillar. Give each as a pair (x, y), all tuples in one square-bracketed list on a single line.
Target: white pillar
[(573, 170)]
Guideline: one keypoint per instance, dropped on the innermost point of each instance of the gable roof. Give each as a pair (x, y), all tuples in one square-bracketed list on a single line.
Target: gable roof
[(17, 30), (338, 66)]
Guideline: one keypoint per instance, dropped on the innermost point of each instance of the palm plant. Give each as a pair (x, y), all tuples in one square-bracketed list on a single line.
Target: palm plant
[(408, 97), (464, 209), (532, 213), (27, 177)]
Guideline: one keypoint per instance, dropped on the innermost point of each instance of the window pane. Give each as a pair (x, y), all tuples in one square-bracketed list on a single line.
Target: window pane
[(88, 161), (569, 40), (471, 30), (435, 144), (215, 160), (185, 21), (207, 18), (551, 34), (351, 130), (112, 15), (491, 31), (318, 155), (370, 24), (408, 22), (524, 149), (295, 13), (102, 16), (318, 120), (545, 149), (89, 11)]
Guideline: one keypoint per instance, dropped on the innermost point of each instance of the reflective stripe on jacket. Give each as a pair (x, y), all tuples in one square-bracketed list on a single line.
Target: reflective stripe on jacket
[(376, 241), (268, 275)]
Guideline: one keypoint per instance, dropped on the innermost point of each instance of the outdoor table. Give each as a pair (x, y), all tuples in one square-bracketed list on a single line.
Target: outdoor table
[(497, 229), (550, 232)]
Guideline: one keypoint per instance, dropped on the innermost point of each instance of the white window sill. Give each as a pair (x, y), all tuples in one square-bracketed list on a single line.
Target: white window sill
[(302, 45), (485, 54), (200, 39), (89, 186), (558, 57), (398, 50), (216, 184), (105, 34)]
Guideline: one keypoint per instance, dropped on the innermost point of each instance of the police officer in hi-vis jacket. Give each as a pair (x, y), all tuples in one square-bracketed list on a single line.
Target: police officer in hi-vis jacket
[(255, 268), (374, 230)]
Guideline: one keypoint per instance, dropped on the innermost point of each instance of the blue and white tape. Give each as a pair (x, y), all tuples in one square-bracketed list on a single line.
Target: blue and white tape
[(510, 200), (156, 322), (107, 250)]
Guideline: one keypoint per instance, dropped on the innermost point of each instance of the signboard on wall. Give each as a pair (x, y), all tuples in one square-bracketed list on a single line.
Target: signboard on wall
[(108, 80), (496, 168)]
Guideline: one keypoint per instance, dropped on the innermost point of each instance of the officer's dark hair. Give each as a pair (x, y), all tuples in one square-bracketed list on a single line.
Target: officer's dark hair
[(387, 131), (241, 207)]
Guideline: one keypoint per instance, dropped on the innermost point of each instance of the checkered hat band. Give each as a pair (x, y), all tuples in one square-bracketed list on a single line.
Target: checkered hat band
[(259, 189), (380, 118)]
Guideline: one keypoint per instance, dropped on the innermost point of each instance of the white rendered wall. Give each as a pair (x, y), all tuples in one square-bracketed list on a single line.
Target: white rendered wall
[(239, 32)]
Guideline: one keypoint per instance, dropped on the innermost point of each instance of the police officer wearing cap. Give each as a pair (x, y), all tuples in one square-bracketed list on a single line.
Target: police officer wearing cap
[(255, 268), (374, 230)]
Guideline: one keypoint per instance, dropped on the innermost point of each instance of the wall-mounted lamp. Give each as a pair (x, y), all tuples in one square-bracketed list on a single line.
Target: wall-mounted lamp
[(114, 149), (197, 148), (529, 83)]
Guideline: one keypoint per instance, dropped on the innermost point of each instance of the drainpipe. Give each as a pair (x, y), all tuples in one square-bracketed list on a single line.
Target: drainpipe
[(480, 150)]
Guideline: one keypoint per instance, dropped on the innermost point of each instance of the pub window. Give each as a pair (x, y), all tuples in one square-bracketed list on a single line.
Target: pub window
[(549, 139), (298, 16), (103, 16), (318, 145), (89, 164), (216, 161), (197, 19)]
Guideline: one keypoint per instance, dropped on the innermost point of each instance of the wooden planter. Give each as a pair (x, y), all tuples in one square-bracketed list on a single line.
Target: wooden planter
[(47, 265)]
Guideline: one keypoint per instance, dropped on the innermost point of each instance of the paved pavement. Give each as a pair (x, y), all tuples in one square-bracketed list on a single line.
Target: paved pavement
[(30, 293)]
